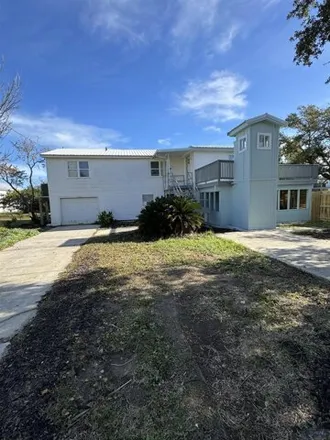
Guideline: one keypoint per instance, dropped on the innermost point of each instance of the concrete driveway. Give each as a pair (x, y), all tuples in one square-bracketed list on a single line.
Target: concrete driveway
[(306, 253), (27, 271)]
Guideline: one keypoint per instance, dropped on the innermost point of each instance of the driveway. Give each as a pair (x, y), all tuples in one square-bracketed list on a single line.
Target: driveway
[(305, 253), (27, 271)]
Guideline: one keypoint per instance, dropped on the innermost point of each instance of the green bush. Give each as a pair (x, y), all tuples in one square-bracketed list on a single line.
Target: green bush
[(170, 216), (105, 219)]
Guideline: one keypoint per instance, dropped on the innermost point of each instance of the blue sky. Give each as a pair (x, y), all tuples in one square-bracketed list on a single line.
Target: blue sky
[(151, 73)]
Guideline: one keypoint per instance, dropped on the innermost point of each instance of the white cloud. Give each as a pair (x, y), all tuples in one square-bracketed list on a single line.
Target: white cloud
[(212, 128), (225, 41), (219, 98), (194, 16), (119, 19), (210, 23), (167, 142), (54, 131)]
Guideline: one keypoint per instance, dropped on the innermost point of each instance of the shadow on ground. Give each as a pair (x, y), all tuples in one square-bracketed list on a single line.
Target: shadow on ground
[(234, 348)]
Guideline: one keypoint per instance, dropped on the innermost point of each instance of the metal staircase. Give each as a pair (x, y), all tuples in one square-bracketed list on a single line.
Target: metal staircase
[(182, 186)]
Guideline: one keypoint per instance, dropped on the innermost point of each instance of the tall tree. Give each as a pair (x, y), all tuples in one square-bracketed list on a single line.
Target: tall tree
[(9, 101), (26, 152), (314, 16), (308, 138)]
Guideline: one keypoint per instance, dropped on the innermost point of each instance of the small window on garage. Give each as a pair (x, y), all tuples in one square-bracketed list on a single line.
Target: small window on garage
[(146, 198), (155, 168)]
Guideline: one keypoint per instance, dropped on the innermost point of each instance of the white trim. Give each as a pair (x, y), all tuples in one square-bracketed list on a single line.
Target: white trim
[(239, 143), (270, 141)]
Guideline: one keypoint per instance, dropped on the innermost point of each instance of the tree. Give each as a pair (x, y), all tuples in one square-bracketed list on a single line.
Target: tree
[(28, 153), (21, 202), (308, 141), (9, 100), (315, 33)]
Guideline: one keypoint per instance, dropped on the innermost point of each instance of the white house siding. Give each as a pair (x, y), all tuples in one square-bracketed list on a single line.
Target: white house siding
[(117, 183), (2, 194), (201, 158)]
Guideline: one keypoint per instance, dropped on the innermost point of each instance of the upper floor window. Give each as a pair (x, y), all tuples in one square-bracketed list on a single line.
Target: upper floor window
[(156, 168), (264, 141), (78, 168), (242, 143)]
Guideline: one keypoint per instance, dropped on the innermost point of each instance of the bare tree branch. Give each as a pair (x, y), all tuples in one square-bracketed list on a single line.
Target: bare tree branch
[(10, 97)]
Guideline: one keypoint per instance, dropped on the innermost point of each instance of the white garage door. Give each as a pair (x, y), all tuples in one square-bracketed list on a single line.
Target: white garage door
[(79, 210)]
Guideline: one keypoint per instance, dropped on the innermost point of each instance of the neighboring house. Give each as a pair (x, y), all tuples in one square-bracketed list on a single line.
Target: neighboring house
[(3, 191), (242, 187)]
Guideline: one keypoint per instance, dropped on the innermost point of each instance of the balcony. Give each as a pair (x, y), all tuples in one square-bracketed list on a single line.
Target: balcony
[(298, 172), (218, 171), (223, 171)]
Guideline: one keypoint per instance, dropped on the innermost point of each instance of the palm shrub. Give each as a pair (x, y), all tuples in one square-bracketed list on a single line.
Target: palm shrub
[(105, 219), (170, 216)]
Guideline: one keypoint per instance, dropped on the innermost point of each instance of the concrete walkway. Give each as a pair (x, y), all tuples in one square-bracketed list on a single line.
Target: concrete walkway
[(29, 268), (306, 253)]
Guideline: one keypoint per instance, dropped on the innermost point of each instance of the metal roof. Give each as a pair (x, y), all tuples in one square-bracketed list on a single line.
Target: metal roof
[(109, 152), (96, 152), (255, 120), (213, 147)]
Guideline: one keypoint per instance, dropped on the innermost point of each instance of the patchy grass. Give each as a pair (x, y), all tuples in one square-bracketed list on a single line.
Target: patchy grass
[(309, 224), (319, 230), (192, 338), (9, 236)]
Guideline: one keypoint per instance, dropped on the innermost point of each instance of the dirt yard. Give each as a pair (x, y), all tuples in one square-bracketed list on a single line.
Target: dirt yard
[(193, 338)]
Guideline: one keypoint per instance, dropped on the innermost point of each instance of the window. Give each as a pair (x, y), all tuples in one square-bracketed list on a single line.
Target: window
[(146, 198), (155, 168), (242, 144), (83, 169), (201, 199), (303, 199), (216, 201), (207, 200), (284, 199), (264, 141), (212, 201), (294, 199), (78, 168)]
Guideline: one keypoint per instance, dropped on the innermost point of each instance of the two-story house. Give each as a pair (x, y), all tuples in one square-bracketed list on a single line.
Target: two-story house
[(240, 186), (84, 182)]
